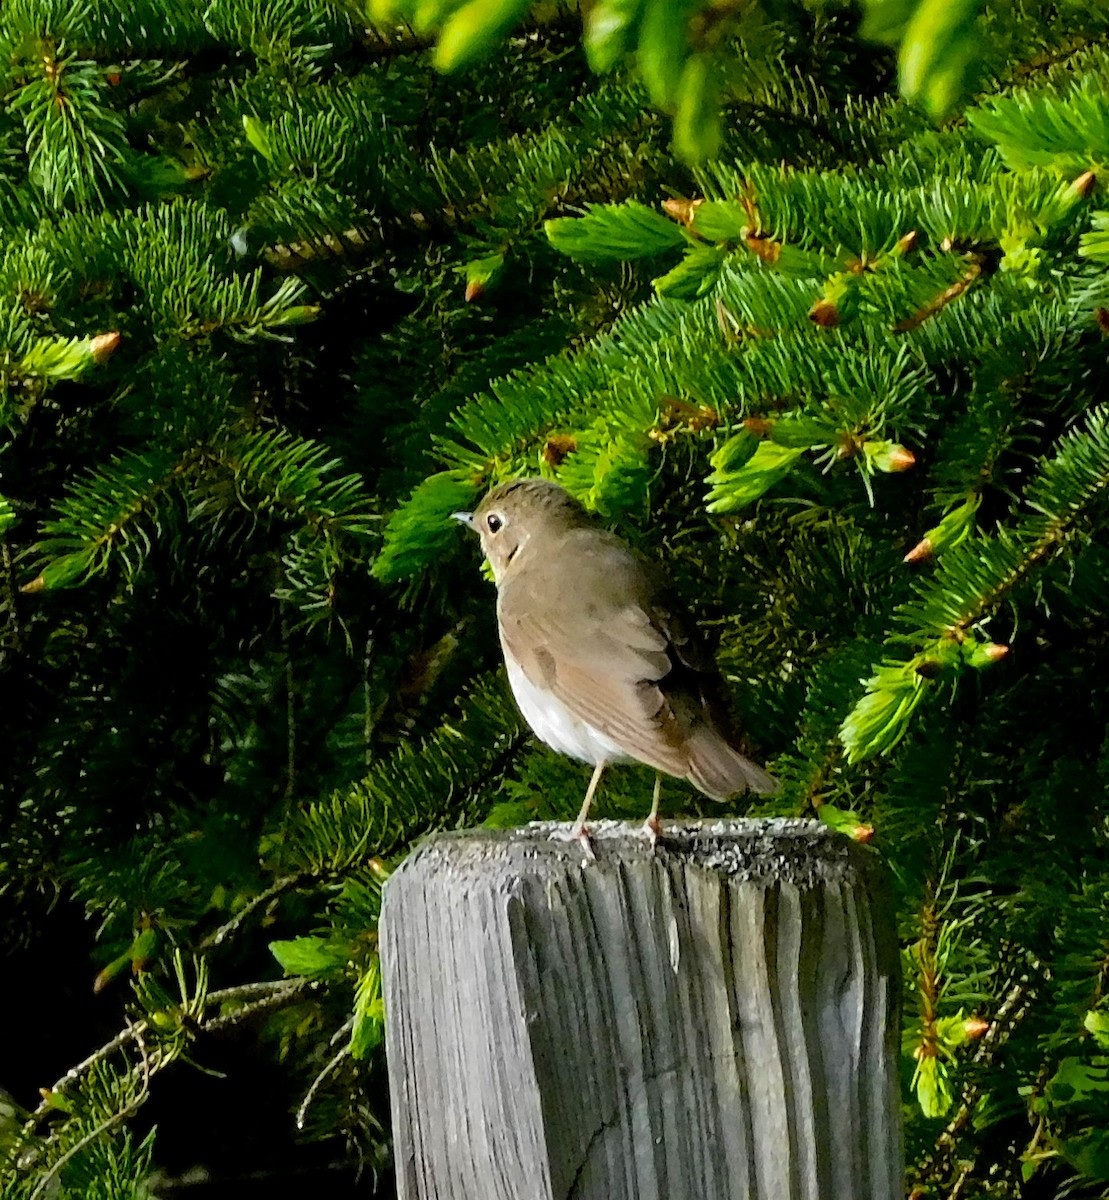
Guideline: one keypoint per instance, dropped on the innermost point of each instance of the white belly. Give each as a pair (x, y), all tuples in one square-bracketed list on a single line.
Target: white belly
[(554, 724)]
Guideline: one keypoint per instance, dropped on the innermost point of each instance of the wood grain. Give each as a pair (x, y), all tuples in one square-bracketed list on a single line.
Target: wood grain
[(716, 1018)]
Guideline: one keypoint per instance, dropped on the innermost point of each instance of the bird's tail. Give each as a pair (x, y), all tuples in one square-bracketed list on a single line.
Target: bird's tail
[(720, 771)]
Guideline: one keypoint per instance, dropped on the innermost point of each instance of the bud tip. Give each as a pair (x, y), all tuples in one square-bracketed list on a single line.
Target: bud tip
[(681, 209), (104, 344), (825, 314)]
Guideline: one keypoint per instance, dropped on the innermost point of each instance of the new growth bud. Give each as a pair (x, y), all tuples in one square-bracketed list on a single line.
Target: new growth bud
[(682, 210), (103, 345), (975, 1027), (888, 457), (953, 528)]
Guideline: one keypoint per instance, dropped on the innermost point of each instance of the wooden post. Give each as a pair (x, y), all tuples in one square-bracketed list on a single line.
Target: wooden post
[(715, 1019)]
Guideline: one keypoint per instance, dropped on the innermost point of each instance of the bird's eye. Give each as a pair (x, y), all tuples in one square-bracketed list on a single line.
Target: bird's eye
[(494, 522)]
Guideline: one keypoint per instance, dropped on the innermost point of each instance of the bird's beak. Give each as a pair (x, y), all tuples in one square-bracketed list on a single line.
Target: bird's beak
[(465, 517)]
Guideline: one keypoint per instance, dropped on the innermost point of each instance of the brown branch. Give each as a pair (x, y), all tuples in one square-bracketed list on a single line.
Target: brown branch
[(342, 1054), (1010, 1013), (940, 302)]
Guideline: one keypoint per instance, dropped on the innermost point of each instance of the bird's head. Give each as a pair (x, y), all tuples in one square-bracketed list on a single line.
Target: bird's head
[(515, 518)]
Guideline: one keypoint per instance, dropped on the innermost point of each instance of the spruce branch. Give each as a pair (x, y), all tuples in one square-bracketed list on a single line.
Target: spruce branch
[(111, 516), (274, 472), (249, 1001), (1019, 995), (972, 580), (977, 577), (417, 789), (1066, 133), (215, 1012), (133, 1104), (76, 142)]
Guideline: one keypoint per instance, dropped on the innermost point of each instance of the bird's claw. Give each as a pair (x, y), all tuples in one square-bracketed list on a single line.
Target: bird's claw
[(652, 830), (581, 834)]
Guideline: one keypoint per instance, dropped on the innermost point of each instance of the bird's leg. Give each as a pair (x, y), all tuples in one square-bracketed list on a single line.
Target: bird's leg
[(652, 827), (579, 831)]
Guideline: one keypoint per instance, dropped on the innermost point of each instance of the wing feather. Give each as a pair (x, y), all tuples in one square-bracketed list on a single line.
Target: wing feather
[(622, 656)]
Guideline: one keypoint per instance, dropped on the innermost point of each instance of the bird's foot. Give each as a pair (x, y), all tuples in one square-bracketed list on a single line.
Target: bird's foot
[(581, 834), (652, 830)]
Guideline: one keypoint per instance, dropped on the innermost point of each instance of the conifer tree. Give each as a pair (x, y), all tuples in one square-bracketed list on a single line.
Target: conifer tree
[(285, 285)]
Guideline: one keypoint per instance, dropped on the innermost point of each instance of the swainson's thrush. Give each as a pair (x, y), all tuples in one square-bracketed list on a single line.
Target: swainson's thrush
[(604, 663)]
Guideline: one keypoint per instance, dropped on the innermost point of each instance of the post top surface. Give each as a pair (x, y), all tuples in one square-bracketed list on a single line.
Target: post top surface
[(780, 849)]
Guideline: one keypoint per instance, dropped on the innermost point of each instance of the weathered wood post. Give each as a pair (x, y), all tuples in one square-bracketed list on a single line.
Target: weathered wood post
[(712, 1020)]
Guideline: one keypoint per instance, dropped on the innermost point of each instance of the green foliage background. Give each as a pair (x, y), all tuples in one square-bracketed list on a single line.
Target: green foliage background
[(277, 295)]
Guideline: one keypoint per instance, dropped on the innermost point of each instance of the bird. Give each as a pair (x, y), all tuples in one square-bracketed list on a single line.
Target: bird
[(604, 662)]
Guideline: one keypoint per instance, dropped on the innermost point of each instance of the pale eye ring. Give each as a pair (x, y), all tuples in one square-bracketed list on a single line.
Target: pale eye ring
[(493, 522)]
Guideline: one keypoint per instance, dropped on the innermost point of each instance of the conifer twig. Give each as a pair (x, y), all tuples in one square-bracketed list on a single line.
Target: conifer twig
[(286, 883), (133, 1105), (290, 711), (1012, 1010), (317, 1083), (1041, 550), (133, 1032), (269, 995), (940, 302), (264, 994), (1010, 1013)]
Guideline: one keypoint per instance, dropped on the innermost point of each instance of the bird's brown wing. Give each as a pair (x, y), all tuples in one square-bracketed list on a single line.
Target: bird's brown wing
[(608, 643), (714, 745)]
